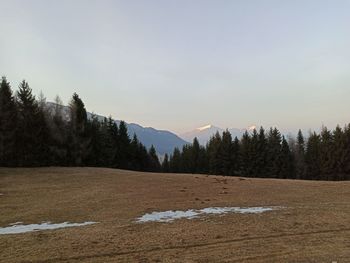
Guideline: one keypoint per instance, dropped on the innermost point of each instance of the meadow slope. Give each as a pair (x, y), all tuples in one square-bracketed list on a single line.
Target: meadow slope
[(313, 226)]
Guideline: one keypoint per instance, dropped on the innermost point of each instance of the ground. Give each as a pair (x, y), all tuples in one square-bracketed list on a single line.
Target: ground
[(313, 226)]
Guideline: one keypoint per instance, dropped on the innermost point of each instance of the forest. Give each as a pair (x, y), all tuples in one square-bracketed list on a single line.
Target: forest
[(33, 134), (324, 156)]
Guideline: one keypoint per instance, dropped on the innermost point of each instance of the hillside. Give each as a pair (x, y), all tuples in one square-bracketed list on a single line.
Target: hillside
[(310, 222)]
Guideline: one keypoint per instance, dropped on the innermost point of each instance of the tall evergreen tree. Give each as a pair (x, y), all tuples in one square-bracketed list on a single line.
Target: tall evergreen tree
[(312, 157), (213, 148), (175, 161), (165, 164), (299, 156), (326, 154), (226, 153), (274, 140), (27, 136), (8, 125), (245, 155), (79, 140), (261, 152), (154, 161), (286, 162), (58, 134)]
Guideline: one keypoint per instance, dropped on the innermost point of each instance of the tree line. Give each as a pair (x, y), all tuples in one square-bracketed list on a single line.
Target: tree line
[(324, 156), (33, 134)]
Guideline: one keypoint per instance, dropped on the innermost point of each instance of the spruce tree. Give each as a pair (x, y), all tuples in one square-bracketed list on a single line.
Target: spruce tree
[(235, 157), (154, 165), (58, 133), (326, 154), (79, 140), (175, 161), (165, 164), (299, 156), (226, 152), (340, 156), (245, 155), (28, 136), (213, 149), (123, 146), (254, 155), (195, 154), (261, 153), (8, 125), (312, 157), (273, 152), (286, 162)]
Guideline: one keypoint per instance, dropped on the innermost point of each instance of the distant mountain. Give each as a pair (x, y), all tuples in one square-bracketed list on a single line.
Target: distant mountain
[(204, 133), (163, 141)]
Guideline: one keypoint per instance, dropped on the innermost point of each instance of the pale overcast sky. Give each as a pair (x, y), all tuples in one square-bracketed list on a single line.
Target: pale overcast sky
[(181, 64)]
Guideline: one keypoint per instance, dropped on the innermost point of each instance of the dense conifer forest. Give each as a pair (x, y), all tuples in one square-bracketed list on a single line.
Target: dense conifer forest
[(324, 156), (32, 134)]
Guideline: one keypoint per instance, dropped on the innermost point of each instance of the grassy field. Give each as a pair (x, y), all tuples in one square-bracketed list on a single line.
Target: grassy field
[(313, 226)]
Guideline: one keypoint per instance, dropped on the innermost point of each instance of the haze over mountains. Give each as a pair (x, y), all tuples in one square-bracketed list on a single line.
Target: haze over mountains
[(204, 133)]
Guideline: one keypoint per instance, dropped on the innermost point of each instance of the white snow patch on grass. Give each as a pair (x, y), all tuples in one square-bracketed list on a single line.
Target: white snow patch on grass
[(168, 216), (17, 228)]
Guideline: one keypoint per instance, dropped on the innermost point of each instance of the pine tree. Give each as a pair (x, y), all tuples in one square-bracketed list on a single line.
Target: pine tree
[(254, 155), (175, 161), (299, 156), (213, 149), (79, 141), (225, 153), (8, 124), (165, 164), (326, 154), (245, 155), (43, 157), (235, 157), (340, 156), (135, 157), (261, 150), (154, 161), (123, 153), (312, 157), (286, 162), (273, 152), (195, 152), (27, 137), (58, 134), (345, 163)]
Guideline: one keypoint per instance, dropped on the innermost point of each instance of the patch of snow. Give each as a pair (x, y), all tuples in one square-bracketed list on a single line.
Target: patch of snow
[(17, 227), (168, 216)]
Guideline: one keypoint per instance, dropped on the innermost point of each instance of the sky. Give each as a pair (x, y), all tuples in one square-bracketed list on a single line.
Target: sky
[(182, 64)]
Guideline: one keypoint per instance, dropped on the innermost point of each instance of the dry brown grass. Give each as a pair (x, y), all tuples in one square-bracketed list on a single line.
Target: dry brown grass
[(314, 226)]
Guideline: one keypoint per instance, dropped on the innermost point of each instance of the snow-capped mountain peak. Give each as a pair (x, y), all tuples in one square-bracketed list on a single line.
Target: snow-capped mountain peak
[(205, 127), (204, 133), (251, 128)]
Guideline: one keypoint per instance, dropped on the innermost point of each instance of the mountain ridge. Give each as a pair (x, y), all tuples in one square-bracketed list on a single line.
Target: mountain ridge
[(164, 141)]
